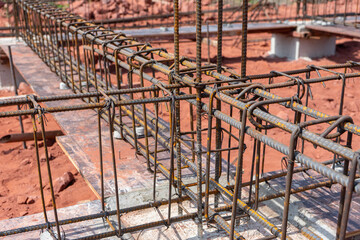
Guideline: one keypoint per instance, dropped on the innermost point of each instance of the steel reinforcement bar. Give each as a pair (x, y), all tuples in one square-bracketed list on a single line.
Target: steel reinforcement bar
[(123, 80)]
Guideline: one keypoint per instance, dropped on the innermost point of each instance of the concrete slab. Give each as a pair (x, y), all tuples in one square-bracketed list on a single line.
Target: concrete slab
[(72, 231), (315, 210), (188, 229)]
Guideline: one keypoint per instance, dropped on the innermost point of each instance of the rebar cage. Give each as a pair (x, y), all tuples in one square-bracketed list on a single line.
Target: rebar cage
[(126, 82)]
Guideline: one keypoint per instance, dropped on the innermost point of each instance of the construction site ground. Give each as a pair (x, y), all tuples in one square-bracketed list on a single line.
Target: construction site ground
[(81, 150)]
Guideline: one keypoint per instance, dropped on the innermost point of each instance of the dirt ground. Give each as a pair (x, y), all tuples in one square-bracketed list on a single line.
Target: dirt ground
[(19, 177)]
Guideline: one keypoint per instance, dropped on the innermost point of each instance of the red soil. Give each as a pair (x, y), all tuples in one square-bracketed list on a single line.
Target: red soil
[(14, 174), (20, 179)]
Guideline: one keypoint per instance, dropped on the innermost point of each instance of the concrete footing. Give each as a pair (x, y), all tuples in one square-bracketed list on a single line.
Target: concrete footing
[(293, 48)]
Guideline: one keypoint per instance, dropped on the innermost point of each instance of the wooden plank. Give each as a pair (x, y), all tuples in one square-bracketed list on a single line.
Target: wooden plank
[(336, 30), (82, 163)]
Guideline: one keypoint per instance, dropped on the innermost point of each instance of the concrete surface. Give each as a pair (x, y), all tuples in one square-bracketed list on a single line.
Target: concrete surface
[(72, 231), (293, 48)]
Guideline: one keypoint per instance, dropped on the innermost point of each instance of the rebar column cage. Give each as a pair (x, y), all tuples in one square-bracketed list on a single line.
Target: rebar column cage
[(126, 82)]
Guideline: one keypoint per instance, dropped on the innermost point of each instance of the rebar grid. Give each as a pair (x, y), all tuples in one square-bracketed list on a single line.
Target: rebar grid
[(126, 82)]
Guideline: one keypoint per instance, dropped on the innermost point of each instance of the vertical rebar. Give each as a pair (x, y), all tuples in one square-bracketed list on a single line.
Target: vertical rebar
[(238, 177), (198, 117), (56, 49), (304, 10), (111, 115), (208, 41), (13, 76), (101, 162), (289, 178), (191, 118), (343, 189), (229, 146), (41, 118), (130, 82), (177, 103), (92, 59), (218, 102), (172, 143), (244, 38), (257, 172), (119, 80), (208, 155), (308, 93), (156, 106), (39, 167), (252, 168), (348, 195), (345, 12), (16, 16)]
